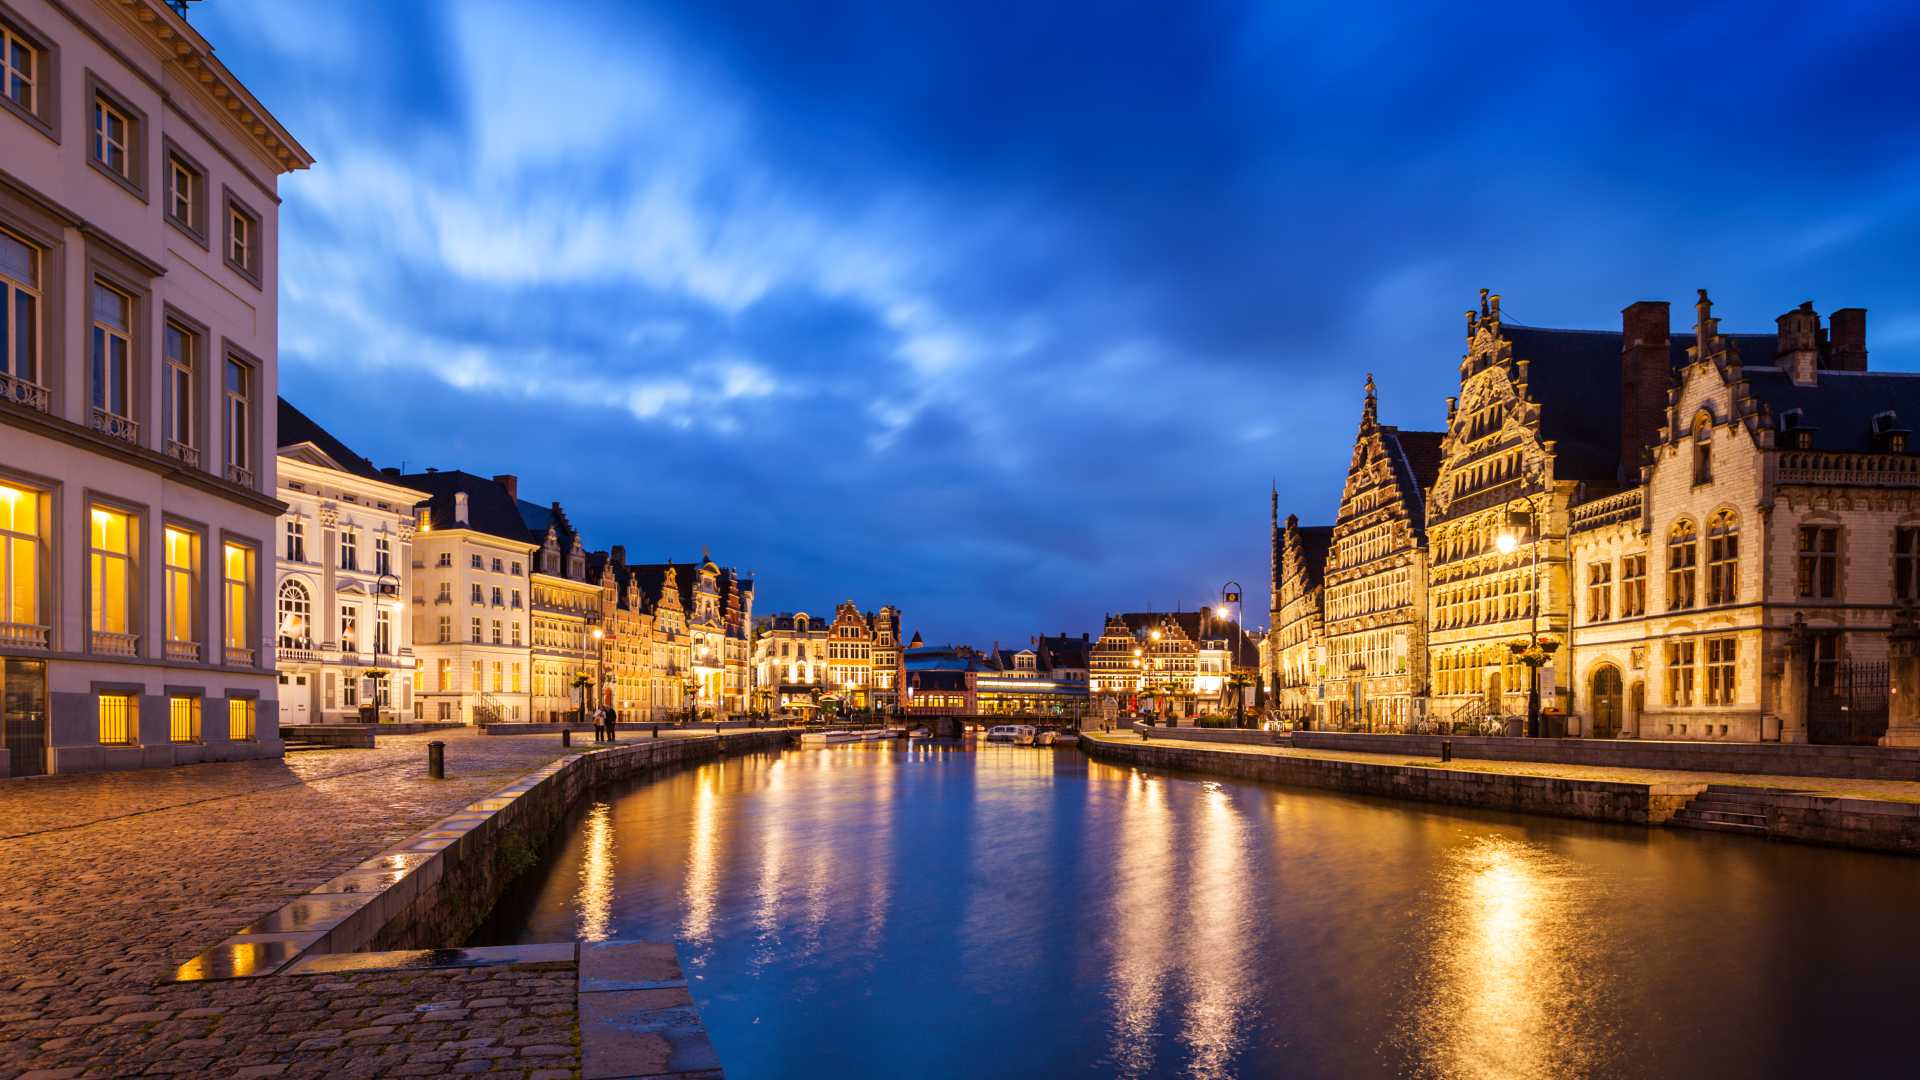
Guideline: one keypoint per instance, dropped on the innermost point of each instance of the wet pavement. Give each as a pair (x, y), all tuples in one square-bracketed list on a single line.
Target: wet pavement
[(114, 880)]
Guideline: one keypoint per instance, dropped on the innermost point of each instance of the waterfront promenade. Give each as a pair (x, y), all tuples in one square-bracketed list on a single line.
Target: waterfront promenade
[(114, 879)]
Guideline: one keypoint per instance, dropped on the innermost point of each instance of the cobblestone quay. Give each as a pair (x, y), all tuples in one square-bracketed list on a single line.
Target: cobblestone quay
[(112, 880)]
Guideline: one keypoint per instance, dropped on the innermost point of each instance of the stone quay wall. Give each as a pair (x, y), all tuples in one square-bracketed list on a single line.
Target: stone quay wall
[(1590, 800), (1770, 759), (444, 908)]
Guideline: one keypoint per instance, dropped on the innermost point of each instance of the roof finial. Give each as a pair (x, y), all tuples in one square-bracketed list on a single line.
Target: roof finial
[(1483, 304), (1703, 326), (1370, 414)]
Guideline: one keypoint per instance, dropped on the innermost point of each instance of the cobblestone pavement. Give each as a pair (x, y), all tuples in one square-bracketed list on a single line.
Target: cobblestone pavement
[(1888, 790), (109, 881)]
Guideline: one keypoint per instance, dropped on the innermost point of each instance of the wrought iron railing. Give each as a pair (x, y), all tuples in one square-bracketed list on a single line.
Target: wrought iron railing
[(21, 392), (186, 455), (240, 474), (115, 426)]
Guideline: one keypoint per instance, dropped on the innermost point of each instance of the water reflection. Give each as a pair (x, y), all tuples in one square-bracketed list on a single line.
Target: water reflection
[(877, 911)]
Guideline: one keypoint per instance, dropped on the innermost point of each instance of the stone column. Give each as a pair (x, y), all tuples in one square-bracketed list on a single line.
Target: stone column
[(1794, 682), (1903, 681)]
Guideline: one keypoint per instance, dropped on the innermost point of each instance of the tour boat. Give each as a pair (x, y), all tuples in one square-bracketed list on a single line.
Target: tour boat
[(1017, 734), (1045, 738), (843, 736), (813, 736), (920, 733)]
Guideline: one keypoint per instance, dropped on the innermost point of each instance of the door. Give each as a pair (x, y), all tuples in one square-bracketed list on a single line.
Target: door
[(24, 708), (297, 701), (1606, 702)]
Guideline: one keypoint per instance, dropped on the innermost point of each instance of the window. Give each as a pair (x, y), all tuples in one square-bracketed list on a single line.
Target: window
[(499, 681), (445, 629), (176, 393), (476, 629), (445, 560), (1633, 586), (21, 621), (349, 629), (496, 596), (496, 632), (445, 675), (517, 684), (516, 569), (1906, 563), (237, 581), (20, 323), (183, 719), (296, 540), (239, 397), (479, 677), (113, 363), (349, 548), (110, 578), (1680, 673), (1720, 670), (383, 631), (1681, 556), (1599, 591), (119, 719), (496, 566), (242, 248), (1819, 561), (296, 616), (516, 598), (479, 595), (20, 65), (479, 564), (1702, 449), (112, 138), (516, 633), (382, 554), (350, 691), (186, 196), (1826, 660), (1723, 558), (240, 719), (181, 588)]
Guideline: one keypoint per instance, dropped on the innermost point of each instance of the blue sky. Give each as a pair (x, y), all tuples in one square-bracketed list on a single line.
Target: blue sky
[(1009, 314)]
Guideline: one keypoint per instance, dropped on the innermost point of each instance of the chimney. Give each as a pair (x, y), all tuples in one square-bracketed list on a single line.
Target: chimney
[(1847, 332), (510, 482), (389, 471), (1798, 353), (620, 554), (1646, 370)]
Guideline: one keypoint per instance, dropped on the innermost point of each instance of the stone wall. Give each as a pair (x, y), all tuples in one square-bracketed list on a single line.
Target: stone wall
[(1591, 800), (1778, 759)]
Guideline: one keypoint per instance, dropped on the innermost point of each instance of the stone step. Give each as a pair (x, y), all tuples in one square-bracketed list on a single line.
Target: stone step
[(1688, 820), (1729, 817)]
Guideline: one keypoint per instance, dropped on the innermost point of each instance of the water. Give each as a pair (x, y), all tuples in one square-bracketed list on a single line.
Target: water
[(863, 911)]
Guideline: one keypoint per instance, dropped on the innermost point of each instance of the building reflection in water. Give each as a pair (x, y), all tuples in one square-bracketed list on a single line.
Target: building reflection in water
[(594, 901), (1140, 918), (1512, 984), (767, 906), (703, 848), (1217, 965)]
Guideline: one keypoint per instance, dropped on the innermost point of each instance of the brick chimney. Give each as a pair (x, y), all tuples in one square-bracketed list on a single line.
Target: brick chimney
[(1798, 353), (1646, 370), (510, 482), (1847, 331)]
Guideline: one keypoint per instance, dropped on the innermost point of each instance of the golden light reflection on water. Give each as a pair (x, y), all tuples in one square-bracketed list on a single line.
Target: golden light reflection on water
[(594, 901), (1140, 918), (1217, 967), (1512, 981), (703, 850)]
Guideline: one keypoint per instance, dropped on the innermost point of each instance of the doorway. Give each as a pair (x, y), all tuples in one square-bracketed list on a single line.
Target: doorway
[(23, 717), (1606, 702)]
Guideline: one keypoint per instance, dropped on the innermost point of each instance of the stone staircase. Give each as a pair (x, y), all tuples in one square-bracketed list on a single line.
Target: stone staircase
[(1726, 808)]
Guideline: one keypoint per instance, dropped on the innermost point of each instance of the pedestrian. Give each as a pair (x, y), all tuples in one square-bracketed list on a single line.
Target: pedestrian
[(599, 719), (613, 717)]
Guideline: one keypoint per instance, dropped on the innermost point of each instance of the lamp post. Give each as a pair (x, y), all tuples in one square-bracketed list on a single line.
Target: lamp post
[(600, 676), (1534, 653)]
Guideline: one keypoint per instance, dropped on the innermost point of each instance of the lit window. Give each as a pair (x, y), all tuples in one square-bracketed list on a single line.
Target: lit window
[(113, 362), (241, 719), (1720, 670), (1680, 673), (119, 719), (20, 323), (110, 577), (296, 616), (1723, 558), (21, 621), (182, 571), (112, 132), (183, 724), (1682, 553), (237, 587)]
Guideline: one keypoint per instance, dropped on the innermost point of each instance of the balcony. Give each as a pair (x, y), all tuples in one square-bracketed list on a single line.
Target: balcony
[(115, 426), (22, 392), (240, 474), (110, 644), (184, 454), (24, 636), (184, 652), (1837, 469), (239, 657)]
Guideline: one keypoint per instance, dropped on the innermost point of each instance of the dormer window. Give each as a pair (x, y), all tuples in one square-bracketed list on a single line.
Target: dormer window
[(1702, 448)]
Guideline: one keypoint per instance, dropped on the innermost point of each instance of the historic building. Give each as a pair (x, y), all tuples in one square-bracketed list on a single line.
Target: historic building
[(1296, 641), (789, 663), (1375, 577), (855, 658), (139, 260), (1745, 587), (887, 658), (676, 637), (564, 641), (1114, 668), (471, 626), (343, 626), (1047, 679), (623, 664)]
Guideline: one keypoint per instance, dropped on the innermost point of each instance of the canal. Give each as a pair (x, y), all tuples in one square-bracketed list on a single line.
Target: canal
[(859, 911)]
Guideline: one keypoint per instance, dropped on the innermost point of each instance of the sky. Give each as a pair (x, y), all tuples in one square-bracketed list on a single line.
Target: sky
[(1011, 314)]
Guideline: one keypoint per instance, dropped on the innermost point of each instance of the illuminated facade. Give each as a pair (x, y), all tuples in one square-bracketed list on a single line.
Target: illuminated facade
[(565, 614), (677, 640), (854, 659), (1114, 668), (1048, 679), (139, 241), (1296, 641), (1375, 577), (343, 583)]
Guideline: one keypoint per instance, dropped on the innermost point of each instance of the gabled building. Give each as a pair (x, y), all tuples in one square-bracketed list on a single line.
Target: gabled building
[(344, 581), (1296, 639), (1115, 668), (1375, 577), (565, 614)]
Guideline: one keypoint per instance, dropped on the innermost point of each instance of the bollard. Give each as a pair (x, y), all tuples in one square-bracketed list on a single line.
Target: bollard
[(437, 760), (566, 736), (656, 731), (1446, 749)]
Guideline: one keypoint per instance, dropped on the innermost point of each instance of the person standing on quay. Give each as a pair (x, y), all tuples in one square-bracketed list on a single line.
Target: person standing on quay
[(613, 717)]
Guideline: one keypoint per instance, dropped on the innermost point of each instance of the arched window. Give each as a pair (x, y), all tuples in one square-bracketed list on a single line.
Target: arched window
[(1682, 558), (1723, 557), (1702, 448), (296, 616)]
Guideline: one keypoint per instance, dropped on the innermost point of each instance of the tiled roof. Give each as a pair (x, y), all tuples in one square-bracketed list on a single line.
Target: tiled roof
[(1840, 406), (1315, 542), (297, 427), (1417, 465), (489, 508)]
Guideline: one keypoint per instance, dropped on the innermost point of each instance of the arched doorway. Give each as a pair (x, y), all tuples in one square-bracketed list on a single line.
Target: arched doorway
[(1606, 702)]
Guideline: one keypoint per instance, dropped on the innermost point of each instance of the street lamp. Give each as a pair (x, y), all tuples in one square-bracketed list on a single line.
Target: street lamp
[(1533, 652), (600, 649)]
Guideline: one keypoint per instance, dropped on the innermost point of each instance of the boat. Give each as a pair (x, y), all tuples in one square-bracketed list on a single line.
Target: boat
[(1067, 738), (842, 736), (919, 733), (1045, 738), (1017, 734), (813, 736), (872, 736)]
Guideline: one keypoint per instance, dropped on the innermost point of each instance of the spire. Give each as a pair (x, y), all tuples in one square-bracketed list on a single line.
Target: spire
[(1704, 328), (1370, 414), (1273, 501)]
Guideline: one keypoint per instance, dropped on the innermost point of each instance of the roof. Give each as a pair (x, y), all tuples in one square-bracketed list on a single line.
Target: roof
[(1575, 377), (1416, 465), (1840, 406), (489, 508), (297, 427), (1064, 652), (938, 678), (1315, 542)]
